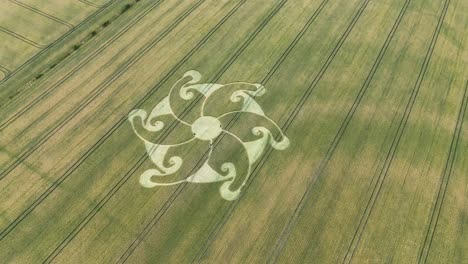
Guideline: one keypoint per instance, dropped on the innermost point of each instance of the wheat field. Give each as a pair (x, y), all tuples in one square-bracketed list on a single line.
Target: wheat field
[(175, 131)]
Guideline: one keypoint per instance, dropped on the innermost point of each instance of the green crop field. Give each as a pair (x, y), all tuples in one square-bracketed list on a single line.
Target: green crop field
[(206, 131)]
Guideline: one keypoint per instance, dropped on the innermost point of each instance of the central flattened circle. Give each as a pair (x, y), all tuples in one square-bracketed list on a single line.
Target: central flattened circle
[(206, 128)]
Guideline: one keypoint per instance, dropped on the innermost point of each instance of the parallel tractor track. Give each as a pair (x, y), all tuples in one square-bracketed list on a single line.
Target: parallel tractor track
[(91, 3), (22, 38), (44, 14), (396, 141), (444, 182)]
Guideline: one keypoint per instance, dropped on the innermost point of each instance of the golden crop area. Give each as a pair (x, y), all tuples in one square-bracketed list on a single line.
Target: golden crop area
[(207, 131)]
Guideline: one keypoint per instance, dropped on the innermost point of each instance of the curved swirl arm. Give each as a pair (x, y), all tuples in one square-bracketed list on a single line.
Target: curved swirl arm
[(147, 182), (145, 123), (166, 166), (260, 90), (283, 136), (225, 190), (158, 153), (194, 78)]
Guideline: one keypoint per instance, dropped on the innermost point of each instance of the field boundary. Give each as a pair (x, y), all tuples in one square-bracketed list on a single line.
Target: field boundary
[(54, 43), (396, 141), (67, 76), (44, 14), (444, 181)]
